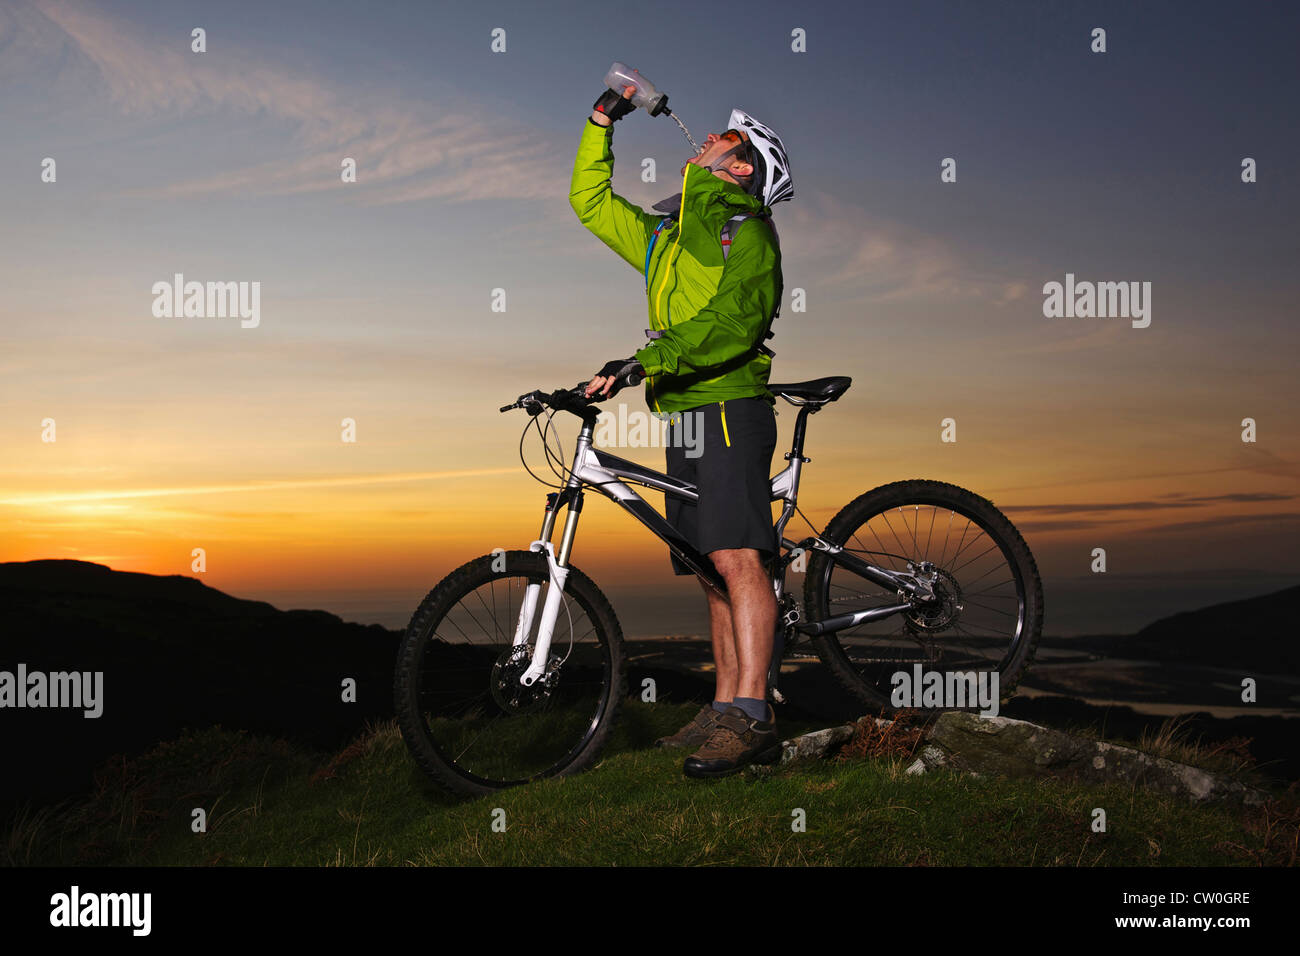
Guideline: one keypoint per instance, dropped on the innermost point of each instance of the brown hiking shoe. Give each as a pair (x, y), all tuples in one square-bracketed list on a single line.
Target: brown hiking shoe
[(694, 733), (737, 741)]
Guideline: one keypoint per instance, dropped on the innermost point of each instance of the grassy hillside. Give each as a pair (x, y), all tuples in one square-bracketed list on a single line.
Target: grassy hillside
[(269, 803), (174, 654)]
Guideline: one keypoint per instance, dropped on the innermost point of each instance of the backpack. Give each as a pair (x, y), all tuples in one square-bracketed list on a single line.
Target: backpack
[(728, 230)]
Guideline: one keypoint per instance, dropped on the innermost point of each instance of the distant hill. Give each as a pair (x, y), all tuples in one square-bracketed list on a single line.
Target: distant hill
[(175, 653), (1258, 633)]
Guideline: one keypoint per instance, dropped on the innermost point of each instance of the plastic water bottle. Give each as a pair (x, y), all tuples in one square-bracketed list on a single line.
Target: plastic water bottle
[(621, 76)]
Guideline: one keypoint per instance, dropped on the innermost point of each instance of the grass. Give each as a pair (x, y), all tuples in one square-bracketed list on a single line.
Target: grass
[(368, 805)]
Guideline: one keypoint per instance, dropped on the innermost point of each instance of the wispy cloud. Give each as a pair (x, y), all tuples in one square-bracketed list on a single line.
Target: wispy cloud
[(406, 149), (878, 260), (1011, 292), (1040, 527), (1053, 339), (885, 260), (1157, 505), (1287, 519), (247, 487)]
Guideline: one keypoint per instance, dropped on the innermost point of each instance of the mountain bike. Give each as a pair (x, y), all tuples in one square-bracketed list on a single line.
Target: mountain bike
[(512, 668)]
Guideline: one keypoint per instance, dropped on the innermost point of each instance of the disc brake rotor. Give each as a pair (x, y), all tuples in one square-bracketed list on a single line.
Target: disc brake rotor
[(512, 696), (943, 612)]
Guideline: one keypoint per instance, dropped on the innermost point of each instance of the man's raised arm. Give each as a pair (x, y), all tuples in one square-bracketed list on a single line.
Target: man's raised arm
[(623, 227)]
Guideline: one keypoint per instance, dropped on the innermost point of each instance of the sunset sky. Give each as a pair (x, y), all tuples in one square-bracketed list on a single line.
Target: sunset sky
[(177, 433)]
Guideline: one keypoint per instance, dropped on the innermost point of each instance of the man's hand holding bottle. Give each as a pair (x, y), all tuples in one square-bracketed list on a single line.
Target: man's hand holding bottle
[(611, 107)]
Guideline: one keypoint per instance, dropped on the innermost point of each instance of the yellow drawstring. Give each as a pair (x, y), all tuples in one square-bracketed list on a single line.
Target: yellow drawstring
[(680, 218), (722, 410), (681, 215)]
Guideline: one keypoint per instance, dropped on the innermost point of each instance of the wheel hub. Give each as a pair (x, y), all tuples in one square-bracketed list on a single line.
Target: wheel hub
[(943, 610), (512, 696)]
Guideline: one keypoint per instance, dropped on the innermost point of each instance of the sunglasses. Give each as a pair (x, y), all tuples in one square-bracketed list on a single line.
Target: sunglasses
[(731, 136), (735, 136)]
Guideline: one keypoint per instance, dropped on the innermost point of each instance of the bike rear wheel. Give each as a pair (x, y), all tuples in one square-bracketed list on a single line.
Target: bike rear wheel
[(468, 722), (991, 613)]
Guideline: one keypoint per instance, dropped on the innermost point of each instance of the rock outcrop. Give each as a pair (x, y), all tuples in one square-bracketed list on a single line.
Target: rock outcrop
[(1016, 748), (1000, 746)]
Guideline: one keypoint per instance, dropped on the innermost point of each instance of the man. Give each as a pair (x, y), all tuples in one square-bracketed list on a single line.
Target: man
[(709, 315)]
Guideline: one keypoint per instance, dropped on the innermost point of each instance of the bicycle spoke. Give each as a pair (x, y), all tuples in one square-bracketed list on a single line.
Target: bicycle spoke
[(916, 521), (991, 547), (901, 546), (479, 594), (946, 536), (962, 550), (966, 588), (993, 609)]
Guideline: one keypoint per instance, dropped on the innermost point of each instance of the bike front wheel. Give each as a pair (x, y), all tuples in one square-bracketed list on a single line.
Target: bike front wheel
[(466, 718), (989, 612)]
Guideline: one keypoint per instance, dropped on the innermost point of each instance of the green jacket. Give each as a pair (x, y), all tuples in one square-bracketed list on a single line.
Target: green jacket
[(712, 318)]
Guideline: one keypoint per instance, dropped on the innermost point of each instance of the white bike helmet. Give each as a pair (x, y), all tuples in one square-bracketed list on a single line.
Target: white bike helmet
[(771, 181)]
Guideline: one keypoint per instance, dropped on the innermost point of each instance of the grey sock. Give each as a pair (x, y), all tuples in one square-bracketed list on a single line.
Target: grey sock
[(754, 708), (721, 706)]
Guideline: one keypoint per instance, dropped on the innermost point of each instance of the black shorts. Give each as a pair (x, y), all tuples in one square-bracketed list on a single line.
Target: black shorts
[(730, 460)]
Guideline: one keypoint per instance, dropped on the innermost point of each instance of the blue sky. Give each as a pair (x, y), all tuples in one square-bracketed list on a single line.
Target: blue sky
[(225, 165)]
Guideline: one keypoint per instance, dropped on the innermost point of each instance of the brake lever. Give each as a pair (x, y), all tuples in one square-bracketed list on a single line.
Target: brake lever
[(532, 402), (581, 388), (580, 391)]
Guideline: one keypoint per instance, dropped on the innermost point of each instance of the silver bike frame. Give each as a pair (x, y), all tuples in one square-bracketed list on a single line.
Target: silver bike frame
[(605, 473)]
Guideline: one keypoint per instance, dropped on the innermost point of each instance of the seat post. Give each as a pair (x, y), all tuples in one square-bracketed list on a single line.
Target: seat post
[(800, 428)]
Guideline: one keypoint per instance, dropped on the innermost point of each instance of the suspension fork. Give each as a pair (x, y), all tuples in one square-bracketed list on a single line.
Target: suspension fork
[(557, 569), (528, 608)]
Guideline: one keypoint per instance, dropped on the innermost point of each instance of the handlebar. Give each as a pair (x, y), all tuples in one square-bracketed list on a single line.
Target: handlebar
[(563, 399), (572, 400)]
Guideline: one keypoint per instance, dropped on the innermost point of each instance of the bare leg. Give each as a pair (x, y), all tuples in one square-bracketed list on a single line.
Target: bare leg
[(726, 665), (742, 630)]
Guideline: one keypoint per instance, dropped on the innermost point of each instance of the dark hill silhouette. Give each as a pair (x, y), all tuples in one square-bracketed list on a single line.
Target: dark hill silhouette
[(178, 654), (175, 653), (1257, 632)]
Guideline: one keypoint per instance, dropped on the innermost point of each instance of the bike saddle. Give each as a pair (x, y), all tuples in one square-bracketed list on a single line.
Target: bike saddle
[(819, 390)]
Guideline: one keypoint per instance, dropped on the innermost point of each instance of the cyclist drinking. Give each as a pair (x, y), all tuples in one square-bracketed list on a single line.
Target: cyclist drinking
[(710, 310)]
